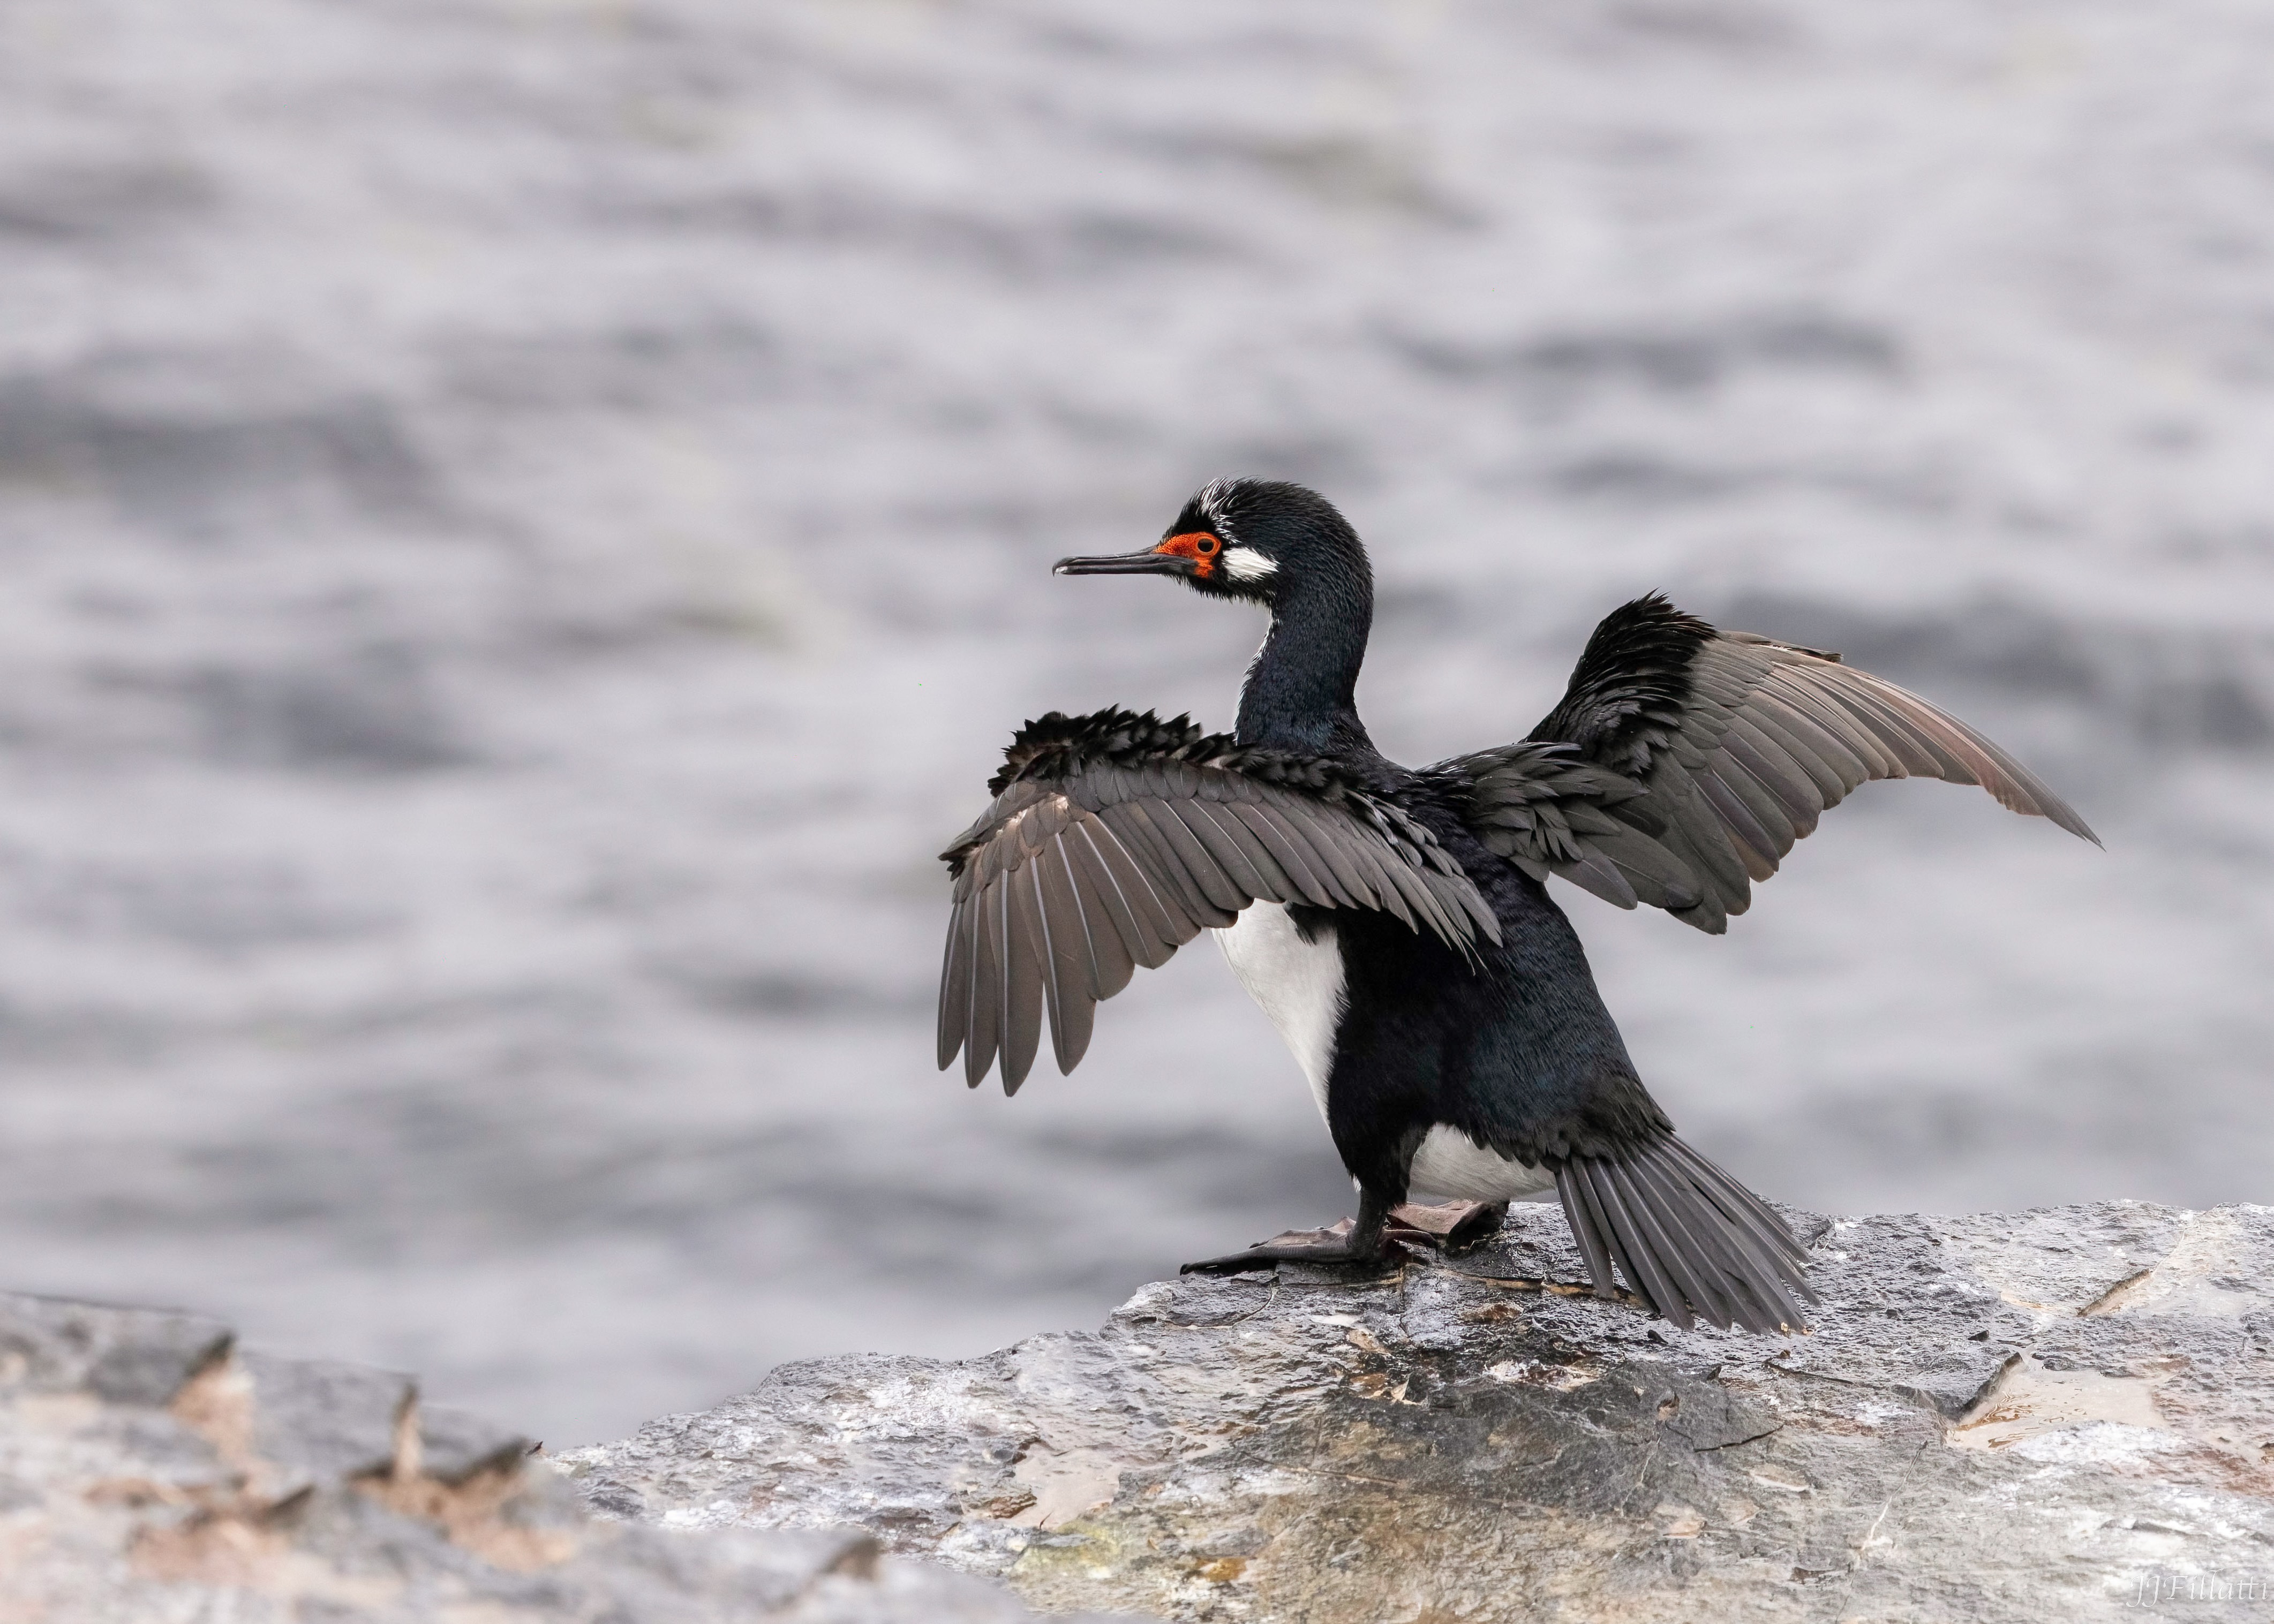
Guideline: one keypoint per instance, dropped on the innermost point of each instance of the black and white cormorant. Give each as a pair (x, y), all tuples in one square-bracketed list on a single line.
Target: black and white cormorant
[(1396, 924)]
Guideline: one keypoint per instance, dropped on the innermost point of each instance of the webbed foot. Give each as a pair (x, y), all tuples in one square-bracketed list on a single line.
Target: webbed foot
[(1338, 1244), (1351, 1242)]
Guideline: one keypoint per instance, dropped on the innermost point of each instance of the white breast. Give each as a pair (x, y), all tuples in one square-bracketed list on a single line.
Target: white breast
[(1299, 984), (1448, 1163)]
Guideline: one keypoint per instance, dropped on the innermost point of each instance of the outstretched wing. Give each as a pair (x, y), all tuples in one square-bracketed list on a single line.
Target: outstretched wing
[(1683, 762), (1116, 838)]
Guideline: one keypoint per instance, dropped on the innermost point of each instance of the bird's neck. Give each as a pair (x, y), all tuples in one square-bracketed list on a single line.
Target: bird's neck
[(1301, 693)]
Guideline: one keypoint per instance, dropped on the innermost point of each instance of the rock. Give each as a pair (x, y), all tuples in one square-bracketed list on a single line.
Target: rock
[(2064, 1414), (150, 1471), (126, 1355)]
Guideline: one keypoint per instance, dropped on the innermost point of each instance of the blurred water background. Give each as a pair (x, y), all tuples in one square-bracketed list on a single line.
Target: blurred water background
[(526, 521)]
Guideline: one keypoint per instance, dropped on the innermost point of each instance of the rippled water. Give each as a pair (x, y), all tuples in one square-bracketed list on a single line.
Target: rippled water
[(526, 521)]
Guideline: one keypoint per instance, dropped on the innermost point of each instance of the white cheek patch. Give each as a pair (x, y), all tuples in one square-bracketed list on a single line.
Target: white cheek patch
[(1246, 564)]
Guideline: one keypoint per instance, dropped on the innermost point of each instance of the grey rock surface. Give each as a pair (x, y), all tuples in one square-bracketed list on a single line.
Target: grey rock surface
[(2061, 1414), (150, 1472)]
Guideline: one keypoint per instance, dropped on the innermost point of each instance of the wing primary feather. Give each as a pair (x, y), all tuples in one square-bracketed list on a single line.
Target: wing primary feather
[(1086, 933), (1006, 958), (1750, 842), (1199, 861), (2011, 783), (1758, 802), (1158, 861), (1943, 741), (1323, 851), (1072, 1002), (1168, 868), (1151, 940), (1105, 885), (1307, 886), (1774, 768), (1976, 759), (1229, 844), (1094, 884), (1035, 927), (1836, 719), (986, 991), (1830, 765), (953, 994), (1893, 734), (1022, 995)]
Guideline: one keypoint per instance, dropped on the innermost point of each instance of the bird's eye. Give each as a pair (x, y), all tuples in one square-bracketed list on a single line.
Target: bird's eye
[(1206, 546)]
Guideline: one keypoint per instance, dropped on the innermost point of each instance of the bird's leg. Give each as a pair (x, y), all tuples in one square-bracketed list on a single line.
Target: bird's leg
[(1347, 1241)]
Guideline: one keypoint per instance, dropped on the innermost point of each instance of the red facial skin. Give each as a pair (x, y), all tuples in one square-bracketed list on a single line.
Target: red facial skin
[(1198, 546)]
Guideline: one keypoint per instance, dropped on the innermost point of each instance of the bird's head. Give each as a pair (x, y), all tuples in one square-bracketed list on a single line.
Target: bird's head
[(1258, 539)]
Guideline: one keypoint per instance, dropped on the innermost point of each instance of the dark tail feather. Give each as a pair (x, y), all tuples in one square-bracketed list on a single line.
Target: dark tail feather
[(1689, 1238), (1639, 1253), (1744, 1207)]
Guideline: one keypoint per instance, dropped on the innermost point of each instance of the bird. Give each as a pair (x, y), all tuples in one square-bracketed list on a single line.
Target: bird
[(1394, 924)]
